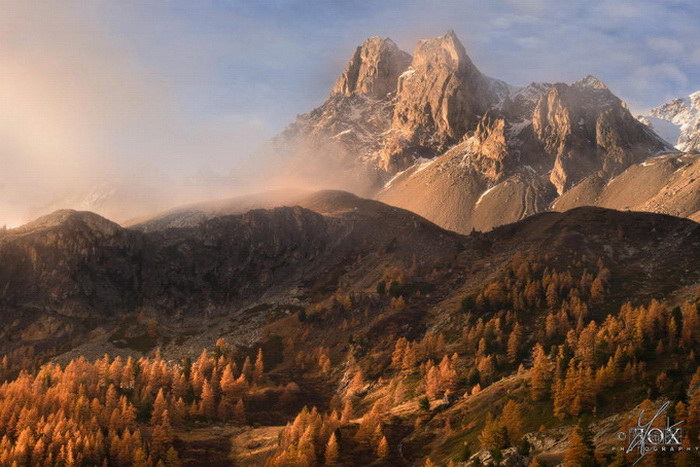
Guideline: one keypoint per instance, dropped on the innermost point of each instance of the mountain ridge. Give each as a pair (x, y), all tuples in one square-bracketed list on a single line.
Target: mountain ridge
[(448, 136)]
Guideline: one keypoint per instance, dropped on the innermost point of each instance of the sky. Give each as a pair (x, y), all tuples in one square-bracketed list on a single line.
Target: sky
[(178, 93)]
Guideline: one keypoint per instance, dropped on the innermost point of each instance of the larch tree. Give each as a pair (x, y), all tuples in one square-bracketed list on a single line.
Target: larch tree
[(207, 405), (515, 342), (540, 375), (259, 369), (383, 448), (332, 450), (512, 419), (579, 452)]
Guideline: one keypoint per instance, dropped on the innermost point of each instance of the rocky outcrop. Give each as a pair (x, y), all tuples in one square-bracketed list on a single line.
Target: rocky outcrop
[(440, 97), (585, 129), (540, 141), (490, 147), (336, 144), (508, 457), (373, 70)]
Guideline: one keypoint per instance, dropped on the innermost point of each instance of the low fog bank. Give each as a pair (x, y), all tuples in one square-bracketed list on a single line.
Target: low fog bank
[(87, 124), (275, 174)]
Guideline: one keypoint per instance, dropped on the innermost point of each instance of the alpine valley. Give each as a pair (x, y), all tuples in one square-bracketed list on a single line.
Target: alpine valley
[(492, 275)]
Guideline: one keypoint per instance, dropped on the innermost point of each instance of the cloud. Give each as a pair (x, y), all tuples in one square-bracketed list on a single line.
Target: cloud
[(621, 9), (509, 21), (666, 46), (84, 115), (660, 76), (695, 57), (529, 5), (529, 42)]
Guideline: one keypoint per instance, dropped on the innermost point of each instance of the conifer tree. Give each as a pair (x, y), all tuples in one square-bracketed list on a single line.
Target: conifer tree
[(332, 450), (515, 342), (512, 419), (239, 412), (579, 451), (207, 405), (541, 374), (493, 434), (259, 369)]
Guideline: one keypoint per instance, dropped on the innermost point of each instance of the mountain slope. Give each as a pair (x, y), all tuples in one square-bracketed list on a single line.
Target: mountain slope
[(72, 268), (668, 184), (439, 98), (360, 308), (509, 169), (69, 269)]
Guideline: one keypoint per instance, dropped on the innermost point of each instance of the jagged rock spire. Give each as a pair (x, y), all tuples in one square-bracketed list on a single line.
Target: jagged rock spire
[(373, 70), (440, 97)]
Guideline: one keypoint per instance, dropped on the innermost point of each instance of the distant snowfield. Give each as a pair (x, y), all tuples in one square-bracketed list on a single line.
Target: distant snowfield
[(669, 131), (677, 121)]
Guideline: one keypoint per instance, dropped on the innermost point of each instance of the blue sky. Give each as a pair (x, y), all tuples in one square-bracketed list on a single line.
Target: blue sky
[(273, 59), (101, 89)]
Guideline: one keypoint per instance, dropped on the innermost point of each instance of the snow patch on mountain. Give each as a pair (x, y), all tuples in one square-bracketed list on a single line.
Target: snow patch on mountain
[(484, 194), (677, 121)]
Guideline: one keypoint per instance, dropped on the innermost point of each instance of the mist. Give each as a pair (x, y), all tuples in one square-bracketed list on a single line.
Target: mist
[(86, 125)]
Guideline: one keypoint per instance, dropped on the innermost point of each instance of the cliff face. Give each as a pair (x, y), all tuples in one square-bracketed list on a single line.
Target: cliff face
[(440, 97), (585, 129), (337, 143), (388, 109), (373, 70)]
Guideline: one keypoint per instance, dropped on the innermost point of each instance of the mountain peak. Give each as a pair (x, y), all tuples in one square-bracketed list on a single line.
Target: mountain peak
[(590, 81), (70, 217), (439, 98), (445, 51), (373, 69)]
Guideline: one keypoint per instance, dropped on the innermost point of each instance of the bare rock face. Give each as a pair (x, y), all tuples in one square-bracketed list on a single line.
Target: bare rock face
[(489, 147), (339, 138), (439, 98), (586, 129), (537, 143), (336, 144), (667, 184), (373, 70)]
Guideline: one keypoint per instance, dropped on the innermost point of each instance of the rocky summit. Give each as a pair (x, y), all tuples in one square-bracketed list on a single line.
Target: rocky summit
[(431, 133), (439, 99), (373, 69)]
